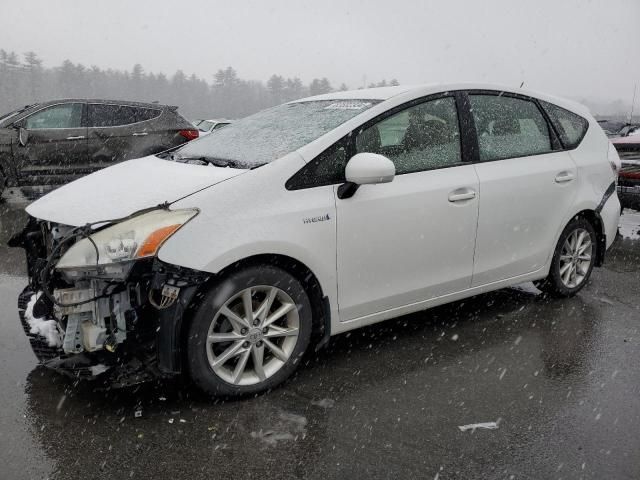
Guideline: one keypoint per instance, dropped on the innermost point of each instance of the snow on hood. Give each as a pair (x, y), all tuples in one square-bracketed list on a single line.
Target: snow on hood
[(125, 188)]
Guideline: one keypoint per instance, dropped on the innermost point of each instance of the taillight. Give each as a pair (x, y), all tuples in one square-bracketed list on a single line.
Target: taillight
[(189, 134), (630, 172)]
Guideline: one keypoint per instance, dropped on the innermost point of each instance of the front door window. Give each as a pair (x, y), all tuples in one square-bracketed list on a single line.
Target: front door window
[(68, 115)]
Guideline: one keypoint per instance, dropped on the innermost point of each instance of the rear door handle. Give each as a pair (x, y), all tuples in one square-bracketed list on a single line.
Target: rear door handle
[(79, 137), (140, 134), (462, 194), (563, 177)]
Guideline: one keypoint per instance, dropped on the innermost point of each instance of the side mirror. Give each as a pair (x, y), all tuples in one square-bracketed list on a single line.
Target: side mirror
[(366, 169), (23, 136)]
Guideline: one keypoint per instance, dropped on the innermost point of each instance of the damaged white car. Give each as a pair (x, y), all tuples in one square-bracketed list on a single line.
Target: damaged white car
[(227, 258)]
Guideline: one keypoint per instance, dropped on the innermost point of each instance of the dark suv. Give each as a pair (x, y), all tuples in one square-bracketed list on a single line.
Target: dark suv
[(629, 176), (45, 145)]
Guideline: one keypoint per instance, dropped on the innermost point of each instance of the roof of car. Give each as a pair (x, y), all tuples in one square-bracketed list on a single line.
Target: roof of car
[(378, 93), (385, 93), (102, 100)]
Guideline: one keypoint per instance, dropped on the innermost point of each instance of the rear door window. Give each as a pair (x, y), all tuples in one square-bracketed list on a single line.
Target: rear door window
[(67, 115), (570, 127), (509, 127), (109, 115)]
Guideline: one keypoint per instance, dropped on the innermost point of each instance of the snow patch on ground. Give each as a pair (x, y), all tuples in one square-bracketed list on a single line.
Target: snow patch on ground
[(45, 327), (630, 225)]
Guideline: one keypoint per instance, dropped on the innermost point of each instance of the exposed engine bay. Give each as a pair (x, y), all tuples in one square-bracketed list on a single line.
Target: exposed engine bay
[(115, 316)]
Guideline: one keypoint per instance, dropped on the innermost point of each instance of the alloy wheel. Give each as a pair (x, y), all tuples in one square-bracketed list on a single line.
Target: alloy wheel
[(576, 258), (253, 335)]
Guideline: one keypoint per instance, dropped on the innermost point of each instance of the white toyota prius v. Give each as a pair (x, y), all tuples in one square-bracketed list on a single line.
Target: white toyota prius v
[(227, 258)]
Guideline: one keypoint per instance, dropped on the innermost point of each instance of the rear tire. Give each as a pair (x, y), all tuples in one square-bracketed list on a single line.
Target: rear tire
[(249, 333), (573, 260)]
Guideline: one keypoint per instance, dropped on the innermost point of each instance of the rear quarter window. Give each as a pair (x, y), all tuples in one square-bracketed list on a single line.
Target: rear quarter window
[(570, 126), (144, 114)]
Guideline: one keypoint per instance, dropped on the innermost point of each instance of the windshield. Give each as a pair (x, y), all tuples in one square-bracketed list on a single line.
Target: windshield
[(271, 134)]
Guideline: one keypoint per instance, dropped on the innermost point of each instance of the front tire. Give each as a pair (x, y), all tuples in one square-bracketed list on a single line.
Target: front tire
[(249, 333), (573, 260)]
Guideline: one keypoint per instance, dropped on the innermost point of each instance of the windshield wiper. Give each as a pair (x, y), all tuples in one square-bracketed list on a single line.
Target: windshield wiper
[(218, 162)]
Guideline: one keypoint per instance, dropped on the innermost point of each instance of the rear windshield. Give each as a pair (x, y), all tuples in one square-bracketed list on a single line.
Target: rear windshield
[(271, 134)]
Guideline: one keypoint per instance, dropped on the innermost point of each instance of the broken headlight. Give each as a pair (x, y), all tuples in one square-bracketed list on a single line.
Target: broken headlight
[(111, 252)]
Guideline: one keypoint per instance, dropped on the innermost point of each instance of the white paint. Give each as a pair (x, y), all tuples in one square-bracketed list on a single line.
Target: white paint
[(521, 211), (392, 250)]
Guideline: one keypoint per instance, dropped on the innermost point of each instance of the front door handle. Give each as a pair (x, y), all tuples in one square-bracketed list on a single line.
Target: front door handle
[(462, 194), (140, 134), (563, 177), (79, 137)]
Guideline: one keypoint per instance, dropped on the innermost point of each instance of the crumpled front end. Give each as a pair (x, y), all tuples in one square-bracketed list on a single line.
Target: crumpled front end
[(104, 310)]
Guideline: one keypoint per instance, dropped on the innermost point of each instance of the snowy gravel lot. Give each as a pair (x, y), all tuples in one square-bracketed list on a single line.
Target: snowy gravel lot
[(504, 385)]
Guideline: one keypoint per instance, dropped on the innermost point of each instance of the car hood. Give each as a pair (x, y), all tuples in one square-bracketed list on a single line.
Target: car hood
[(127, 187), (628, 140)]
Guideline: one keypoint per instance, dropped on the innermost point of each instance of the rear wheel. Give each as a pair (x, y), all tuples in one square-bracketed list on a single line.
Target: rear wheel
[(249, 333), (573, 260)]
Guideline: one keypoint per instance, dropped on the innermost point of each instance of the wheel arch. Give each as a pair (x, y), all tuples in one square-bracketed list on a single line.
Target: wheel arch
[(321, 311), (310, 282), (594, 218)]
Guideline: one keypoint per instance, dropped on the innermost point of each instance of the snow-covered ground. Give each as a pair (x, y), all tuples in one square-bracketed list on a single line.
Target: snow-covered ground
[(630, 224)]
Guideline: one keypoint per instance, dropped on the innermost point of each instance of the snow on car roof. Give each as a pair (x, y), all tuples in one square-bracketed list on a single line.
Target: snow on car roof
[(378, 93), (385, 93)]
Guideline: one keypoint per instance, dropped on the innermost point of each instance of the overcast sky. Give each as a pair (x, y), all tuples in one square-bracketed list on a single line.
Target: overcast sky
[(565, 47)]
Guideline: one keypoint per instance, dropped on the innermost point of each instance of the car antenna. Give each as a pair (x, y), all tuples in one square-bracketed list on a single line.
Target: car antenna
[(522, 84)]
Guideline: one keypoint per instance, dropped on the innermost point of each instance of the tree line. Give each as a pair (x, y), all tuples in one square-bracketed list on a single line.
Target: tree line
[(25, 80)]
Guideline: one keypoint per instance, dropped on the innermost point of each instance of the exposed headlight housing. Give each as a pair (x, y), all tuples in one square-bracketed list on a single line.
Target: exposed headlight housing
[(112, 251)]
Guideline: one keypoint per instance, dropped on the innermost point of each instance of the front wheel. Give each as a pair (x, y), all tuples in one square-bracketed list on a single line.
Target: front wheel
[(573, 260), (249, 333)]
